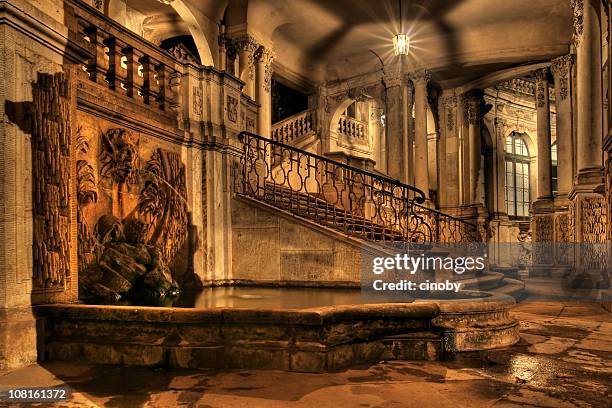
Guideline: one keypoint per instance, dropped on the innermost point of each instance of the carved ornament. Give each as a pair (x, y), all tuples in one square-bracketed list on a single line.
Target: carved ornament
[(561, 67)]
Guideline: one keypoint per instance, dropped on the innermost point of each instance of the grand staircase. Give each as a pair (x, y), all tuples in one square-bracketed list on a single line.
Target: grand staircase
[(355, 202)]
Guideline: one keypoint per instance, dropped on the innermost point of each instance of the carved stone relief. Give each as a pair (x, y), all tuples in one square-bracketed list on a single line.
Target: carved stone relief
[(578, 9), (594, 219), (232, 109), (130, 252), (198, 104)]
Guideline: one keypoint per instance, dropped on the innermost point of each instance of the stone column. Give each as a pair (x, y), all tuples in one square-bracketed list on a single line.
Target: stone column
[(587, 39), (543, 129), (449, 153), (263, 59), (542, 209), (421, 172), (500, 209), (246, 47), (561, 68), (407, 162), (394, 125), (473, 109)]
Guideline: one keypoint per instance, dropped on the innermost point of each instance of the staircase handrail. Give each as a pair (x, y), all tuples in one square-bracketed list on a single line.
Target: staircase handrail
[(419, 195), (357, 201)]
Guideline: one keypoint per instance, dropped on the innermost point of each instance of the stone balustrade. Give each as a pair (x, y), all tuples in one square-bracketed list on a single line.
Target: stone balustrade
[(294, 127), (125, 62), (352, 127)]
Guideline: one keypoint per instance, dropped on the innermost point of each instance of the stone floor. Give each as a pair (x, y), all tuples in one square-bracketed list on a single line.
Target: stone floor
[(564, 359)]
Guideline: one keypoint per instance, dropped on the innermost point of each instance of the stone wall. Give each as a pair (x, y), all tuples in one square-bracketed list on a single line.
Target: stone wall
[(270, 246)]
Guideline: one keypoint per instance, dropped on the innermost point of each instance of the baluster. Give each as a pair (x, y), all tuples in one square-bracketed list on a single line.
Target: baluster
[(169, 81), (98, 64), (290, 136), (134, 79), (116, 72), (165, 93), (150, 88), (285, 133)]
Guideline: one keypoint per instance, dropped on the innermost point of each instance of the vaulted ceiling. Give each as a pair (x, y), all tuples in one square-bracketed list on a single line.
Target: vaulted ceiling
[(458, 39)]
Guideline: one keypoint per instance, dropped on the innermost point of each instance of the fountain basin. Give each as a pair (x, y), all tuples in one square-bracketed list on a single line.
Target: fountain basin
[(307, 339)]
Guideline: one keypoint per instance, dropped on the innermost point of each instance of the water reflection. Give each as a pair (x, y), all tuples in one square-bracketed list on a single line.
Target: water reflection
[(262, 297), (269, 298)]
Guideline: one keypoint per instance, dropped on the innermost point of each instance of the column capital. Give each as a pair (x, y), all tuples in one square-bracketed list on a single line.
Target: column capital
[(393, 78), (541, 88), (473, 101), (245, 42), (578, 10), (264, 55), (562, 64), (541, 74), (449, 104), (561, 67), (419, 77)]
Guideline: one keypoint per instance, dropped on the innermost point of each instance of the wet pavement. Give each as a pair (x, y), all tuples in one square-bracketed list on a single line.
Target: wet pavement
[(564, 359)]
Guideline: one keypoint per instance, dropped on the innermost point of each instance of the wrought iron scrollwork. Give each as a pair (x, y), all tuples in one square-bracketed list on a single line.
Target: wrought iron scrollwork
[(349, 199)]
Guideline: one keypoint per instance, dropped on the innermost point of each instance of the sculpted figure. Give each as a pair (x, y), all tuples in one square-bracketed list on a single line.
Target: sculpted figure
[(119, 156)]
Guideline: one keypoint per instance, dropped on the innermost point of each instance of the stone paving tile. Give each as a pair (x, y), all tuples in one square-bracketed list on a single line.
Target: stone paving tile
[(562, 360)]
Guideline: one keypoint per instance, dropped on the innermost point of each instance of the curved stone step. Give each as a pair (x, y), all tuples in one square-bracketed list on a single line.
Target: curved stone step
[(510, 287), (487, 281)]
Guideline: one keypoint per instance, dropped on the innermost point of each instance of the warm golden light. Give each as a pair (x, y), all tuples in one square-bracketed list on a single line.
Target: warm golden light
[(401, 44)]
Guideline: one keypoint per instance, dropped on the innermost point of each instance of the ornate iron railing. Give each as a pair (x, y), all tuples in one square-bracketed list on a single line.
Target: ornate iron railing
[(294, 127), (352, 200)]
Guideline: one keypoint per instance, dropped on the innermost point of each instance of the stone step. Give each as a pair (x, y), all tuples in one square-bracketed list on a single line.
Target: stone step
[(486, 281), (510, 287)]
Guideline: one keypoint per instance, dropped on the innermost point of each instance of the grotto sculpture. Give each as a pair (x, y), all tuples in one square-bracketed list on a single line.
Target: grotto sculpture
[(126, 267), (129, 257)]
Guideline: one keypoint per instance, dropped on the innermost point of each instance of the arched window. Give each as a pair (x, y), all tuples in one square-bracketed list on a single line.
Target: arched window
[(553, 159), (517, 176)]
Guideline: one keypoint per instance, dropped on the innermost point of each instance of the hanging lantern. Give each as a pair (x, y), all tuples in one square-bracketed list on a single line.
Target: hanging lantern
[(401, 44)]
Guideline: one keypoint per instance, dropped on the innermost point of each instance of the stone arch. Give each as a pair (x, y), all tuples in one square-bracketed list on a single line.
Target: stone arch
[(116, 9), (195, 30), (338, 110), (532, 147)]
